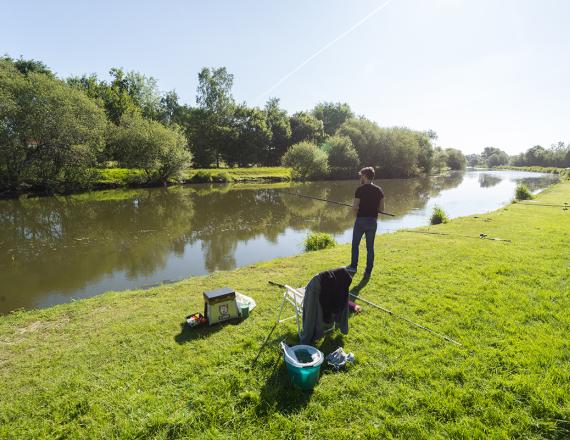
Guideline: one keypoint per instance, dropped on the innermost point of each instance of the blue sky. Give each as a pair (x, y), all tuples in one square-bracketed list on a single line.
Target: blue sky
[(478, 72)]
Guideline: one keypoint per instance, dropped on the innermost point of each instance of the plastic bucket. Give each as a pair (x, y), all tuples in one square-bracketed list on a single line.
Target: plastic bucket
[(305, 373)]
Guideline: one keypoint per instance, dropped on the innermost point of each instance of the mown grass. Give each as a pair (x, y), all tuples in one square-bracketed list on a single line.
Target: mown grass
[(120, 365), (537, 169), (124, 177)]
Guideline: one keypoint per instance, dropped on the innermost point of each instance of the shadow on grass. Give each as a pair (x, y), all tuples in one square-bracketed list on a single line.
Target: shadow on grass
[(278, 394), (361, 285), (188, 334)]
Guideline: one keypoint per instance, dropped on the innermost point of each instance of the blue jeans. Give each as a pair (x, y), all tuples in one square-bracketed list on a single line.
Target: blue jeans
[(368, 226)]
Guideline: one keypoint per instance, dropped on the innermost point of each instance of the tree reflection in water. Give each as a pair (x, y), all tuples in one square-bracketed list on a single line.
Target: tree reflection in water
[(80, 245)]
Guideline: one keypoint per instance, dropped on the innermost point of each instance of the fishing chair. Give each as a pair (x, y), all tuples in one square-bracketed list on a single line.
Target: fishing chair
[(295, 297)]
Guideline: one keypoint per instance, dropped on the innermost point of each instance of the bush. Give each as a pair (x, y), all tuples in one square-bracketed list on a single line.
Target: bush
[(342, 154), (522, 192), (222, 177), (438, 216), (319, 240), (306, 160), (201, 177), (142, 143)]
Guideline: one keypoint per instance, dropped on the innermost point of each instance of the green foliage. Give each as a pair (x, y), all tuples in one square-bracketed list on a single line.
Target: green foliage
[(493, 157), (455, 159), (558, 155), (333, 115), (315, 241), (342, 158), (280, 127), (438, 216), (250, 136), (305, 127), (222, 177), (50, 133), (202, 177), (28, 66), (142, 143), (522, 192), (307, 160)]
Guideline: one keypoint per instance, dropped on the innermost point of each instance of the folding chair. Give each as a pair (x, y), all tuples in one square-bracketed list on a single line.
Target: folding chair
[(295, 297)]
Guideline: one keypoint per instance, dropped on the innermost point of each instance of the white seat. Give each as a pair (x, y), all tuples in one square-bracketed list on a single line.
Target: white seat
[(295, 297)]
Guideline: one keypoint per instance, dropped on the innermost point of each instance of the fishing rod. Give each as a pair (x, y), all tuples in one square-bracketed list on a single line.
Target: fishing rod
[(478, 237), (331, 201), (446, 338), (565, 205)]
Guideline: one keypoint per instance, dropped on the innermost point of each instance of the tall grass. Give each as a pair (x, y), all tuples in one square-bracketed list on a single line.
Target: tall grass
[(438, 216), (319, 240), (522, 192)]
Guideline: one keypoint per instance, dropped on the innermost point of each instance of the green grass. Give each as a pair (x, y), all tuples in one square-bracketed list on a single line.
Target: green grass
[(535, 169), (254, 174), (119, 366), (316, 241)]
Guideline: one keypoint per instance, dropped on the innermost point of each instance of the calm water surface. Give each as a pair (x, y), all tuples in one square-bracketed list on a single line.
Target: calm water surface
[(56, 249)]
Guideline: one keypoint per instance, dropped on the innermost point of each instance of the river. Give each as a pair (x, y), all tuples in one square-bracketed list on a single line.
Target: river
[(57, 249)]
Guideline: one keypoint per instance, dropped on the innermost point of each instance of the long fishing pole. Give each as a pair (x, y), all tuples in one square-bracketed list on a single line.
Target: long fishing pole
[(565, 205), (331, 201), (446, 338), (479, 237)]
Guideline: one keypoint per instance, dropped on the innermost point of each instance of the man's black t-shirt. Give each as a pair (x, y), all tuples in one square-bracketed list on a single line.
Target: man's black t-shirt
[(370, 196)]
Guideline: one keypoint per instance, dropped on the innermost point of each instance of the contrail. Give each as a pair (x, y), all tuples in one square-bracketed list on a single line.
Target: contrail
[(322, 49)]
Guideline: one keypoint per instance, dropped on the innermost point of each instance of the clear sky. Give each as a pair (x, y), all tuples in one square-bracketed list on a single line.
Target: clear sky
[(478, 72)]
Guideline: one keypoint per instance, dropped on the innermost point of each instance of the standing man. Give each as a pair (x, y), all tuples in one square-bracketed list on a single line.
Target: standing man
[(368, 200)]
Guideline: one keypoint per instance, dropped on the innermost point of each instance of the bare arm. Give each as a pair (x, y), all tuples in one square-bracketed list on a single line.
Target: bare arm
[(355, 205)]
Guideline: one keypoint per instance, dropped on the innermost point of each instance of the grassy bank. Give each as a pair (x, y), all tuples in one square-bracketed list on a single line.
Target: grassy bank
[(536, 169), (122, 177), (121, 365)]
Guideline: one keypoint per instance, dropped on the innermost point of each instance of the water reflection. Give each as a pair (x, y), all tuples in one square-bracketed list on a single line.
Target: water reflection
[(59, 248)]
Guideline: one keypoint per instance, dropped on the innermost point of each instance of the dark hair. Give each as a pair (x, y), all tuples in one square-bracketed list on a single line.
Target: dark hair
[(367, 172)]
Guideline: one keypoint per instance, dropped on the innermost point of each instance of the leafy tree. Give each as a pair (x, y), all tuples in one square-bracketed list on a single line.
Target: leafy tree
[(169, 108), (143, 143), (439, 159), (305, 127), (144, 92), (342, 153), (425, 153), (306, 159), (28, 66), (280, 126), (114, 96), (455, 159), (333, 115), (215, 118), (365, 136), (50, 134), (398, 152), (494, 157), (249, 138), (473, 159)]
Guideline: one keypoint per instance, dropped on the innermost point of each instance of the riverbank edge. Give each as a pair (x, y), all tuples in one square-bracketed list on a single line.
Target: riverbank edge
[(113, 366), (563, 172), (276, 261)]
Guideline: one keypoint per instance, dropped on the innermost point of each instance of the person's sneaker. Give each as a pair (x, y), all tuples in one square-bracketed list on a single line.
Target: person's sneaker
[(350, 269)]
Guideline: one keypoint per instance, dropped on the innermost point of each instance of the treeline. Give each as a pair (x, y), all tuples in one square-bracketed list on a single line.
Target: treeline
[(55, 134), (558, 155)]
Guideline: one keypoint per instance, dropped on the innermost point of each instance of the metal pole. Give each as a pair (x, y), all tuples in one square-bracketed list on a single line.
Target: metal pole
[(448, 339)]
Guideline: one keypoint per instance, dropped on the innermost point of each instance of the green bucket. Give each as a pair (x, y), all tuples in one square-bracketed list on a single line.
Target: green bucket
[(305, 368)]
